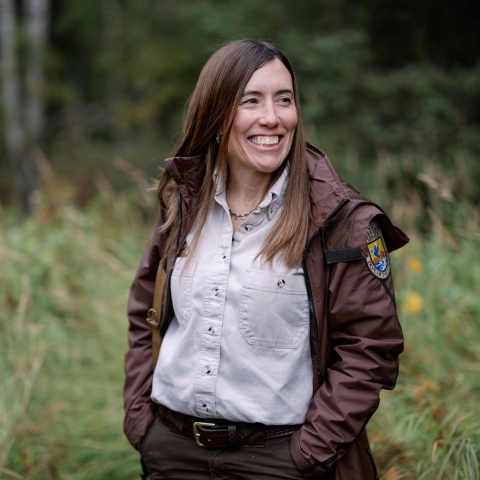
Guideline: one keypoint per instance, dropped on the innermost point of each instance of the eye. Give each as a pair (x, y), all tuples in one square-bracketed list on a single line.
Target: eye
[(285, 100), (250, 101)]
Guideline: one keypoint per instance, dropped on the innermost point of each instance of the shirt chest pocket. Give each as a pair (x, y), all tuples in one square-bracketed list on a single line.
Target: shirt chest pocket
[(274, 309), (181, 286)]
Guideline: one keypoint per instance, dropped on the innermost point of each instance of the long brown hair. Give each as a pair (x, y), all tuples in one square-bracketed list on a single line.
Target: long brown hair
[(212, 109)]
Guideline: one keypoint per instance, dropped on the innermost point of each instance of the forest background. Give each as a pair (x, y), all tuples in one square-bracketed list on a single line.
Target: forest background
[(92, 101)]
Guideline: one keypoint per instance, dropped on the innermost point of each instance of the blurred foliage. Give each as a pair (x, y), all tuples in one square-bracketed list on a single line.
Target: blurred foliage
[(63, 336), (427, 427), (372, 75), (362, 65)]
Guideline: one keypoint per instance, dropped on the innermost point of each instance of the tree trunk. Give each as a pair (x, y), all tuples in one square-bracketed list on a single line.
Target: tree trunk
[(23, 128), (36, 17), (13, 133)]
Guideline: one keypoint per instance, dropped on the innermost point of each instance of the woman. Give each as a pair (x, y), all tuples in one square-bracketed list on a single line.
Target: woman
[(279, 324)]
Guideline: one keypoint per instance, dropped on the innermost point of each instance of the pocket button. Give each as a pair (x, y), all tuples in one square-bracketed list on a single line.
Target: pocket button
[(281, 283)]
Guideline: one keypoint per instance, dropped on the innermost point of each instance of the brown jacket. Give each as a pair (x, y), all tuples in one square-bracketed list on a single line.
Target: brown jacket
[(355, 333)]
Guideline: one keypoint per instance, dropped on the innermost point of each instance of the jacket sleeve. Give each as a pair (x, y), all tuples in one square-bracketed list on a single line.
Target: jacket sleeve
[(365, 340), (139, 413)]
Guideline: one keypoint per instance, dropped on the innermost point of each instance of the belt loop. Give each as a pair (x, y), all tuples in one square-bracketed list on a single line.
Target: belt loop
[(163, 414), (232, 435)]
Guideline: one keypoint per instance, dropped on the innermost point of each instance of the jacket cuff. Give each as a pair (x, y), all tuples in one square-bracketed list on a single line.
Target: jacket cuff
[(308, 470), (139, 429)]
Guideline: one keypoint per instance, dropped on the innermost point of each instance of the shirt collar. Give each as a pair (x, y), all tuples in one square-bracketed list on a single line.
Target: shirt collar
[(274, 198)]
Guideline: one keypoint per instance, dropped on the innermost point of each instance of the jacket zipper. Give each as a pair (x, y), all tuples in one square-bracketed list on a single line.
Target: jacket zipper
[(163, 327), (311, 306), (374, 467), (337, 209), (313, 316)]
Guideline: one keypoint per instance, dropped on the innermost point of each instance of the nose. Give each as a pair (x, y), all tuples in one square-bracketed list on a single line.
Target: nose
[(269, 117)]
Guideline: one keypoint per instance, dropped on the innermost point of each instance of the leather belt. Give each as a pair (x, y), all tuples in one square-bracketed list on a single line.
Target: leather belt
[(216, 433)]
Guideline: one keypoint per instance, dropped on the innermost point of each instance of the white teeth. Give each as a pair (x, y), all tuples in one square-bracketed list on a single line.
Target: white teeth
[(264, 140)]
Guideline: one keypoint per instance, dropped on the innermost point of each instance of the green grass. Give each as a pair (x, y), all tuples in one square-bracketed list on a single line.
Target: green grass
[(62, 339), (63, 289)]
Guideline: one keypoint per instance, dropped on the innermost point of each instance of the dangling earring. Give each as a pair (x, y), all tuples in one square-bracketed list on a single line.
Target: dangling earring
[(218, 138)]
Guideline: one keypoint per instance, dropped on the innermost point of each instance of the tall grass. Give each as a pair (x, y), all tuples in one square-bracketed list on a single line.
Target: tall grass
[(429, 426), (64, 281), (63, 287)]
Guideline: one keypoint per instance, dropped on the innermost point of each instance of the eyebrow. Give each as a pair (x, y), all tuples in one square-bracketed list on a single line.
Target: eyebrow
[(257, 92)]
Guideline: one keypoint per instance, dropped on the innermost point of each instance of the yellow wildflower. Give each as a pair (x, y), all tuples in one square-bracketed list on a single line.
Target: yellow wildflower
[(413, 303), (430, 384), (415, 265)]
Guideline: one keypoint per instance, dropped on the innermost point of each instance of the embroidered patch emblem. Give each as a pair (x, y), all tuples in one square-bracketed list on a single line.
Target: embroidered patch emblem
[(378, 260)]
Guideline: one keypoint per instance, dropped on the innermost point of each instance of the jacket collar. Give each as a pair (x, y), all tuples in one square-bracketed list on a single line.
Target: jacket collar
[(187, 172), (326, 189)]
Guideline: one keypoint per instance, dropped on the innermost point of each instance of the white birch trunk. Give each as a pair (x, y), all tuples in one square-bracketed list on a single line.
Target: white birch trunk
[(36, 18), (23, 127), (13, 133)]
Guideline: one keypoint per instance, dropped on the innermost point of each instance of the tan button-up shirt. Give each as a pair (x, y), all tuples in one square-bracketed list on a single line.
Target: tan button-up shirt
[(237, 347)]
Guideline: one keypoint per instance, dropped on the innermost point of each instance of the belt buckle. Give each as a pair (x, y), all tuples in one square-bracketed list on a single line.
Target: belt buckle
[(196, 433)]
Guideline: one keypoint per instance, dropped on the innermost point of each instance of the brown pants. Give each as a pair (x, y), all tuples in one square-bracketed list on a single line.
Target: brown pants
[(169, 455)]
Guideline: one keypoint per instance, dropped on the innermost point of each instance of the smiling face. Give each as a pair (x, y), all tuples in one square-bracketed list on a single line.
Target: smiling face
[(265, 121)]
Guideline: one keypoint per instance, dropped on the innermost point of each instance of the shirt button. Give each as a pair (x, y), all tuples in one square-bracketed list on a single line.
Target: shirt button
[(248, 227), (204, 406), (281, 283), (224, 255), (208, 370), (216, 291), (271, 209), (211, 330)]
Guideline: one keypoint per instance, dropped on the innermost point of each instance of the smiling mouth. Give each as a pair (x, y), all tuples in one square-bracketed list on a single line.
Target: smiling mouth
[(265, 141)]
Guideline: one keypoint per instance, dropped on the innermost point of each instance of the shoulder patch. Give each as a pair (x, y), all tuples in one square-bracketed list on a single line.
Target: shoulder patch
[(378, 260)]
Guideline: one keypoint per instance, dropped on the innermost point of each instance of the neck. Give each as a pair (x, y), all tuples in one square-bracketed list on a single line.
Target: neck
[(246, 189)]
